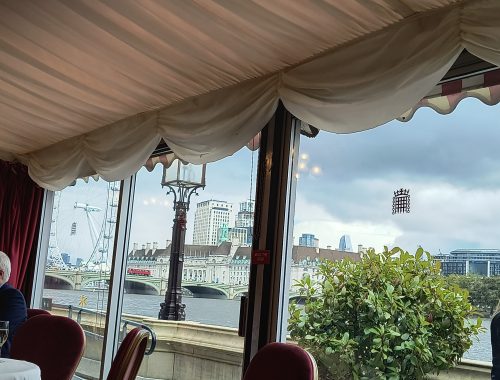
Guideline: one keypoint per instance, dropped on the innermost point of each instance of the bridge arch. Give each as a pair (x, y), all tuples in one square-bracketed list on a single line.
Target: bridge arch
[(240, 293), (57, 281), (138, 286), (207, 291)]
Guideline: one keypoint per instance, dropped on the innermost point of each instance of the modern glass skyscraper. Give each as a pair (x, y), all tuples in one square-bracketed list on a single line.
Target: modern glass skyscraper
[(345, 243), (308, 240)]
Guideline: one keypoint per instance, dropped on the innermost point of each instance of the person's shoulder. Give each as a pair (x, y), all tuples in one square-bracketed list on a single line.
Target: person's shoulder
[(10, 291)]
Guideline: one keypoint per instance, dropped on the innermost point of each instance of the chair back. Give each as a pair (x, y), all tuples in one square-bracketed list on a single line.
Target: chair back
[(35, 312), (129, 356), (54, 343), (282, 361)]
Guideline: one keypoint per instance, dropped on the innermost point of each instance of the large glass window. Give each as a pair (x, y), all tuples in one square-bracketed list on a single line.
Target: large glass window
[(215, 269), (79, 261), (449, 164)]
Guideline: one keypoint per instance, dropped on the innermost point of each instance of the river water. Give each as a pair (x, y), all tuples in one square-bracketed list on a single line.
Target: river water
[(219, 312)]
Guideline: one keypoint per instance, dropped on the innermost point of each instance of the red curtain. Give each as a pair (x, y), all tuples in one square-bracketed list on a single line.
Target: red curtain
[(20, 210)]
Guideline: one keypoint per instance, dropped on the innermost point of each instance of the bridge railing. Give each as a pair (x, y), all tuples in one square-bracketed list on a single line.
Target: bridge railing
[(125, 323)]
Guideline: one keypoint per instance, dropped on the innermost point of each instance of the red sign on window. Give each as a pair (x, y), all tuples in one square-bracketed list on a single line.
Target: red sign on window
[(261, 257)]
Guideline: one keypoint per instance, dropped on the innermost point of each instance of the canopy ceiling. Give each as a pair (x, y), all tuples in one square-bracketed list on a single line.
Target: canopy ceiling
[(91, 87)]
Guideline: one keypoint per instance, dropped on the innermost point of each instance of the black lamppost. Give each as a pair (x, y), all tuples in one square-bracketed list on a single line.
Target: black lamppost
[(182, 180)]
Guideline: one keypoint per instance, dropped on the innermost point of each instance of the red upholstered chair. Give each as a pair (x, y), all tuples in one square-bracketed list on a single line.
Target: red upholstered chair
[(282, 361), (129, 356), (35, 312), (53, 343)]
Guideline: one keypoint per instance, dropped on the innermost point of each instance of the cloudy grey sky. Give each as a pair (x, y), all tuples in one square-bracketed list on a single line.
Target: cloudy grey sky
[(450, 164)]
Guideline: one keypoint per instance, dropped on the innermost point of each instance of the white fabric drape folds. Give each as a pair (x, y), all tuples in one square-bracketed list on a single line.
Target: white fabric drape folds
[(359, 85)]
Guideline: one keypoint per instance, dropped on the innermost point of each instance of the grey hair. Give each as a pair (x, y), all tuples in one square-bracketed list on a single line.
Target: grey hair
[(5, 267)]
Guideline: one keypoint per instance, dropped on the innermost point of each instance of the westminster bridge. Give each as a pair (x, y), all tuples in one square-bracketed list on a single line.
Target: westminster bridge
[(81, 280)]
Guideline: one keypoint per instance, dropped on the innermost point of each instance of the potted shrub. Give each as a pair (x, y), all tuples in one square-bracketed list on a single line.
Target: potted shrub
[(388, 316)]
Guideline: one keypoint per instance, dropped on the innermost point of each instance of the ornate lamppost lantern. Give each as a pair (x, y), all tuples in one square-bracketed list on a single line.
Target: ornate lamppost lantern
[(181, 180), (401, 201)]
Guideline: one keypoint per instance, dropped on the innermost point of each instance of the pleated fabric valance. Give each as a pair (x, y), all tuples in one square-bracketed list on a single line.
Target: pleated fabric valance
[(220, 87)]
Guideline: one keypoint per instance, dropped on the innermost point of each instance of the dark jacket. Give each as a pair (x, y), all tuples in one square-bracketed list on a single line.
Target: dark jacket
[(12, 309)]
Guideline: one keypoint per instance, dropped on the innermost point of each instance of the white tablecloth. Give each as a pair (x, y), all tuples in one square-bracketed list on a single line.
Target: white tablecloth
[(11, 369)]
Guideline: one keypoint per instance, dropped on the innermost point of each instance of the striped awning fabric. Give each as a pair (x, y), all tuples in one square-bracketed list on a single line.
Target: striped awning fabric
[(445, 97)]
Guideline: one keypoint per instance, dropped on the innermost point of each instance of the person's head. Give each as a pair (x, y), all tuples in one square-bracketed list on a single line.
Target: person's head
[(4, 268)]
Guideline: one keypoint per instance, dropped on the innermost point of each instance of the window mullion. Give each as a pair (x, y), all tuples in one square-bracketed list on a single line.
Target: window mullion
[(118, 273), (42, 249)]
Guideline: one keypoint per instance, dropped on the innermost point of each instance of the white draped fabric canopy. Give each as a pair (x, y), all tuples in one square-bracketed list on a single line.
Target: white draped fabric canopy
[(91, 87)]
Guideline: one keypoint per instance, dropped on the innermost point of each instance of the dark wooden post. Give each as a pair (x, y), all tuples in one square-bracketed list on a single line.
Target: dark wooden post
[(495, 346), (271, 231)]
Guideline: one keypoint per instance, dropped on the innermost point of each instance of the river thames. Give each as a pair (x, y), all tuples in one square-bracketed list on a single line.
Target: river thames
[(219, 312)]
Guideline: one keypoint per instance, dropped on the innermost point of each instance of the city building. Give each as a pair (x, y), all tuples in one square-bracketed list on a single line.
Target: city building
[(209, 217), (483, 262), (66, 258), (226, 263), (244, 218), (362, 249), (238, 235), (244, 222), (242, 232), (345, 244), (202, 263), (305, 260), (308, 240)]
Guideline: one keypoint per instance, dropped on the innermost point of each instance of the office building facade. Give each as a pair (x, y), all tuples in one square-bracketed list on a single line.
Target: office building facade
[(308, 240), (482, 262), (209, 217)]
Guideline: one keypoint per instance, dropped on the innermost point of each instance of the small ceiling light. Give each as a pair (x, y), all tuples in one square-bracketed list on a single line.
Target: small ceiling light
[(316, 170)]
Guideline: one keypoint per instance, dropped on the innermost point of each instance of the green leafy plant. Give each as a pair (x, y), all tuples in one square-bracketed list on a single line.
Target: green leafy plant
[(484, 292), (389, 316)]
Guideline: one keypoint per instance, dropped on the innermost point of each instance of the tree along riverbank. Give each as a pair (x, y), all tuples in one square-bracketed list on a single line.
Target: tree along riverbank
[(484, 292)]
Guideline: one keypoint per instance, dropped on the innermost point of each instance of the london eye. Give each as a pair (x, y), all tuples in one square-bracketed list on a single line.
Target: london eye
[(83, 226)]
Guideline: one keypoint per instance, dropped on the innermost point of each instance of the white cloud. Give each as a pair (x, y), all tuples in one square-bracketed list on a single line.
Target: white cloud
[(313, 218), (442, 216)]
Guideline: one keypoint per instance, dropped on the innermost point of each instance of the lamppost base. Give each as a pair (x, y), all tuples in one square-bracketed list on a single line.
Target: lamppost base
[(175, 312)]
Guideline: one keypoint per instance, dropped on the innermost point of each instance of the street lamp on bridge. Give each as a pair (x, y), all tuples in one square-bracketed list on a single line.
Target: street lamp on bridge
[(182, 180)]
